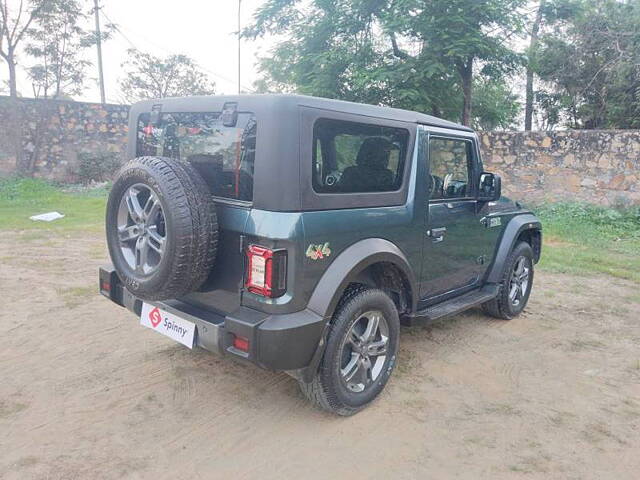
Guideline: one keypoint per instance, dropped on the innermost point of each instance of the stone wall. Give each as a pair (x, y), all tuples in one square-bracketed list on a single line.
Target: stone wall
[(595, 166), (49, 138)]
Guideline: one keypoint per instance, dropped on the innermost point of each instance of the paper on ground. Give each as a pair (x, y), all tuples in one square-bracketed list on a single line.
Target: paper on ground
[(47, 217)]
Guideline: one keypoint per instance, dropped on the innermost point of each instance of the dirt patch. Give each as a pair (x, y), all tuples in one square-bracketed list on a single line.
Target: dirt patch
[(88, 393)]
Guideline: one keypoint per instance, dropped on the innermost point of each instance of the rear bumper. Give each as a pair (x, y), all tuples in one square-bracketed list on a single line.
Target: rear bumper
[(276, 342)]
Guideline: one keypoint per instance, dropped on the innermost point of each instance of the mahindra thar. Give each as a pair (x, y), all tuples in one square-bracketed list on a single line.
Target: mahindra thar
[(299, 233)]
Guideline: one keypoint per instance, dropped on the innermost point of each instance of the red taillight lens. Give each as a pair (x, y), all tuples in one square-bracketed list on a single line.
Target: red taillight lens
[(241, 343), (267, 271)]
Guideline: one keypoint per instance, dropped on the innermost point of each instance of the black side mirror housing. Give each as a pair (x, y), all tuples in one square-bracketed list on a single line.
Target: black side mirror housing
[(490, 187)]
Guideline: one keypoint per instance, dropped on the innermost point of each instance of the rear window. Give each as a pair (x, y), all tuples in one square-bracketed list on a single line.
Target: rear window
[(351, 157), (224, 156)]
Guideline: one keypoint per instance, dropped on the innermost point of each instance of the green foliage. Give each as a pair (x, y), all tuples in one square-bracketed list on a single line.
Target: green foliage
[(413, 54), (148, 77), (588, 59), (496, 106), (585, 239), (57, 41), (21, 198), (97, 166)]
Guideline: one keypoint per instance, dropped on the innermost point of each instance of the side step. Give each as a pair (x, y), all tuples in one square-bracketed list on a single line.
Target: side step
[(453, 306)]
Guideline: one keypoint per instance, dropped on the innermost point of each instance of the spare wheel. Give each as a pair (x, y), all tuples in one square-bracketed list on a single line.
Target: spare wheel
[(162, 229)]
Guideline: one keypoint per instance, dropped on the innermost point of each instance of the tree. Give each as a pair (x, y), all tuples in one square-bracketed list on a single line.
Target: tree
[(418, 54), (495, 107), (13, 26), (149, 77), (57, 42), (531, 58), (588, 61), (469, 33)]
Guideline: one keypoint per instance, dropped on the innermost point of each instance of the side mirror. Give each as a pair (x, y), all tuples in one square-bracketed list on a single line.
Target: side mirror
[(490, 187)]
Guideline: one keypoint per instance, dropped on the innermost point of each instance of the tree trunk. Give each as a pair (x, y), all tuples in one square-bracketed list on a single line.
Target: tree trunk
[(465, 69), (528, 108), (13, 83)]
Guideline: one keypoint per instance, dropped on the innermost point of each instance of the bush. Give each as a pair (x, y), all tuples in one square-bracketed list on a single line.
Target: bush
[(97, 167), (620, 218)]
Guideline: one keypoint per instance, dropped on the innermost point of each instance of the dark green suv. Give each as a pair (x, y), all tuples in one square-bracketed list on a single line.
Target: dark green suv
[(299, 233)]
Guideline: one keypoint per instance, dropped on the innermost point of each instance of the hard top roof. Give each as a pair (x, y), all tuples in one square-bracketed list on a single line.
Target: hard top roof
[(278, 102)]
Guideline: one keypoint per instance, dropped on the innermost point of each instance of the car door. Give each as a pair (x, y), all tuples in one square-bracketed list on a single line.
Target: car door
[(454, 248)]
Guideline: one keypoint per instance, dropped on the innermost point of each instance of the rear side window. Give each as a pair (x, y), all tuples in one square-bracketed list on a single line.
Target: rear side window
[(351, 157), (224, 156)]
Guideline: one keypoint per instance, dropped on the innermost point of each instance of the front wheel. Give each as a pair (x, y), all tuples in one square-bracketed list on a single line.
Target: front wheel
[(515, 286), (361, 352)]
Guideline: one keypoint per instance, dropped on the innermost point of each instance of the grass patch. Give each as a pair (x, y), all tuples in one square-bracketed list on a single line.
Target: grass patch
[(584, 239), (76, 296), (21, 198)]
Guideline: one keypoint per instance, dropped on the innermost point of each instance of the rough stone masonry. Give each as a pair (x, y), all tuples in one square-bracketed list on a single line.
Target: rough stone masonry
[(48, 137), (596, 166)]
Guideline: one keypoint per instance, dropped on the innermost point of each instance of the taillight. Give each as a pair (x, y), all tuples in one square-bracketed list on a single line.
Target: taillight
[(267, 271), (105, 286), (241, 343)]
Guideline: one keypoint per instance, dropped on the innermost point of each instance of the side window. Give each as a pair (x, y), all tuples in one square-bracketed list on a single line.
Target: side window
[(353, 157), (450, 164)]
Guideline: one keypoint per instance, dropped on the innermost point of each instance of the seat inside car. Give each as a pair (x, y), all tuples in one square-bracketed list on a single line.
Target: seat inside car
[(370, 172)]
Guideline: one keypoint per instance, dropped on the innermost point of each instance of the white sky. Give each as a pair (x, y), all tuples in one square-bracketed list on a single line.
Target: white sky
[(202, 29)]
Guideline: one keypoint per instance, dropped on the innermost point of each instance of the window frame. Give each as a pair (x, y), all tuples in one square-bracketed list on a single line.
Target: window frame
[(312, 200), (473, 164)]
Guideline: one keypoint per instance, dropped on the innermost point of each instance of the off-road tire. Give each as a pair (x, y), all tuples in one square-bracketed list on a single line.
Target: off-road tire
[(326, 390), (501, 307), (191, 227)]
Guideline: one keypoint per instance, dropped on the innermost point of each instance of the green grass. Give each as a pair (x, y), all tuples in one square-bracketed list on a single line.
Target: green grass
[(21, 198), (585, 239), (75, 296), (579, 239)]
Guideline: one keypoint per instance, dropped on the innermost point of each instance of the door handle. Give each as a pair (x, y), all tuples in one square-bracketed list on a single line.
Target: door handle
[(437, 234)]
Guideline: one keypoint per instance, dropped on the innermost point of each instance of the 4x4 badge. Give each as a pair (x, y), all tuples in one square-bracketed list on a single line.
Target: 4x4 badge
[(315, 252)]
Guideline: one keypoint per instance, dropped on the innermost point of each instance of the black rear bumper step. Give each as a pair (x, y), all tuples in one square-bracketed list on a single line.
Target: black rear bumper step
[(454, 306)]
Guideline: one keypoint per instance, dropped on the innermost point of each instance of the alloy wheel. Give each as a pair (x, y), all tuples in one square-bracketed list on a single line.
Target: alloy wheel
[(141, 229), (364, 351), (519, 283)]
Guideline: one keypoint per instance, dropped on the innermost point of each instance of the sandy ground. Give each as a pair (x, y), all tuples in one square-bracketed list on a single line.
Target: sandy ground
[(87, 393)]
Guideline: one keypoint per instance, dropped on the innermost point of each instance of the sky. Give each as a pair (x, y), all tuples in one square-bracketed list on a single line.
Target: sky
[(205, 30)]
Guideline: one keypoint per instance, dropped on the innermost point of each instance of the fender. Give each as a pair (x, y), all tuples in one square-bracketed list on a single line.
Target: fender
[(516, 225), (346, 267)]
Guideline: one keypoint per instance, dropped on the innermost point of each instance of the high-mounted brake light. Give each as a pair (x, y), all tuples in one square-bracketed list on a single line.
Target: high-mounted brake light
[(267, 271)]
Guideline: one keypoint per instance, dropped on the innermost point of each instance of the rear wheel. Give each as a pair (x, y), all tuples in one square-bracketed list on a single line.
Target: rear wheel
[(361, 351), (515, 285)]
